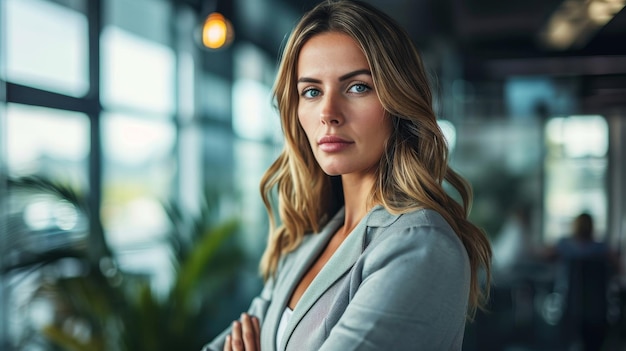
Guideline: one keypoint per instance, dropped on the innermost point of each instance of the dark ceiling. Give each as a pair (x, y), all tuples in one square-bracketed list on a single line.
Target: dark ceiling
[(485, 30), (491, 39), (496, 39)]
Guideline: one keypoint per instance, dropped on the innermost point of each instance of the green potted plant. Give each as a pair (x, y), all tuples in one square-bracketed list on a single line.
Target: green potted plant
[(101, 307)]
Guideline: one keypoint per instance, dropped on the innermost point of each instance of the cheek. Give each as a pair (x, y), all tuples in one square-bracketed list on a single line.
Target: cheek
[(384, 126), (386, 130)]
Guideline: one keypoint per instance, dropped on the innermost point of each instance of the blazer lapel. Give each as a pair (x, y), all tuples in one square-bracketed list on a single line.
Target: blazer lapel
[(297, 265), (341, 261)]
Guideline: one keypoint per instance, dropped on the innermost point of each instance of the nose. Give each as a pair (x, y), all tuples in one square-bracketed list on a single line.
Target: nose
[(330, 111)]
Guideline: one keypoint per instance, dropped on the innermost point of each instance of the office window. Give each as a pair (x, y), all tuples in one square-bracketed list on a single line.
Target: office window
[(575, 173), (138, 64), (34, 223), (137, 74), (259, 137), (138, 174), (139, 167), (49, 142), (46, 45), (252, 159), (253, 115)]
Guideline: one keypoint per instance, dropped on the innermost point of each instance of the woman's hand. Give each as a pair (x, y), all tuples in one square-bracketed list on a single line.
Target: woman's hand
[(245, 335)]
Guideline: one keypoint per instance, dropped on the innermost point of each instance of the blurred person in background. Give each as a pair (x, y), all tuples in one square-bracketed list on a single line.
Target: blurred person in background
[(370, 252), (585, 267)]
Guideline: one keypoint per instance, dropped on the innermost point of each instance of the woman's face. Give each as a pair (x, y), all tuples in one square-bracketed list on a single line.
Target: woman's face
[(338, 107)]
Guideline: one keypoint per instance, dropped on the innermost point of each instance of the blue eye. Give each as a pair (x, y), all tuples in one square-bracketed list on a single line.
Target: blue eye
[(311, 93), (359, 88)]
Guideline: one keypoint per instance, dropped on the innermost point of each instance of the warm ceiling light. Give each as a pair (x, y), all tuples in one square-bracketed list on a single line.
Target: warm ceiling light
[(217, 31), (575, 22), (601, 12)]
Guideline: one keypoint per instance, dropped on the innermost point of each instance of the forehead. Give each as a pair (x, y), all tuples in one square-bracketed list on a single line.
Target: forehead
[(330, 51)]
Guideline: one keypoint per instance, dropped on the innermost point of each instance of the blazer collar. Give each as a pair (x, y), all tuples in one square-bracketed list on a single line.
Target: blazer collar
[(379, 217), (298, 262), (341, 261)]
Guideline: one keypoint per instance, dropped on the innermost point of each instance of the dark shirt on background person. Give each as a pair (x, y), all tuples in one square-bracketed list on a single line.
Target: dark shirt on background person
[(585, 267)]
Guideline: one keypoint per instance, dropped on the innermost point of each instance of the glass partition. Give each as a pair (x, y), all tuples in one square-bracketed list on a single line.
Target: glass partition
[(47, 142), (138, 174), (576, 165)]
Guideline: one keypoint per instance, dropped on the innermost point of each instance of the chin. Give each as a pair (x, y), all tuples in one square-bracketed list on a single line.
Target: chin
[(332, 174), (332, 171)]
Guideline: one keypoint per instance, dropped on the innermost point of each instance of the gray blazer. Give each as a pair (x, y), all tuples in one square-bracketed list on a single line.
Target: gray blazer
[(397, 282)]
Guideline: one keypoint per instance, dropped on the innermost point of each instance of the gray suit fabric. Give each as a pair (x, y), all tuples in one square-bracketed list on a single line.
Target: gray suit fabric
[(397, 282)]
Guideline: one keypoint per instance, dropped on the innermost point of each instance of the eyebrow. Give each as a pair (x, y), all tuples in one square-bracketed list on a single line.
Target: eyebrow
[(342, 78)]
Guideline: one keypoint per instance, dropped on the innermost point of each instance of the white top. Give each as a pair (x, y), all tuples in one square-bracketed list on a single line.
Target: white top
[(284, 319)]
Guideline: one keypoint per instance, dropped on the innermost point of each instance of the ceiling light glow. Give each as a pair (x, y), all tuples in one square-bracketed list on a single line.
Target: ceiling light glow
[(217, 31)]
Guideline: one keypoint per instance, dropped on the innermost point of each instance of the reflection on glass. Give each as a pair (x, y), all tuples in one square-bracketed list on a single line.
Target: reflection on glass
[(47, 142), (135, 141), (578, 136), (138, 171), (41, 223), (575, 173), (251, 161), (44, 213), (46, 46), (253, 116), (137, 74)]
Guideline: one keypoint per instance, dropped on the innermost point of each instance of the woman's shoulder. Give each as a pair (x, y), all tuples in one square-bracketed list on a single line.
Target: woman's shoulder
[(422, 238), (418, 229), (415, 218), (425, 218)]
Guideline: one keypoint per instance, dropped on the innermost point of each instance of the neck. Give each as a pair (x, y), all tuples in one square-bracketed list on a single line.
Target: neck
[(356, 193)]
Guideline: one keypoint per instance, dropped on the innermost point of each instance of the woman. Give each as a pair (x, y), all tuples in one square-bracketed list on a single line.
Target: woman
[(370, 253)]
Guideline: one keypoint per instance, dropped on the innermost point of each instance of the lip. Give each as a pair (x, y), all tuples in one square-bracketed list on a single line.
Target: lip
[(332, 143)]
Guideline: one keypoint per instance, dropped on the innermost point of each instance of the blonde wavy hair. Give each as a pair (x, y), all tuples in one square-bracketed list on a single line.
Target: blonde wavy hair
[(414, 166)]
